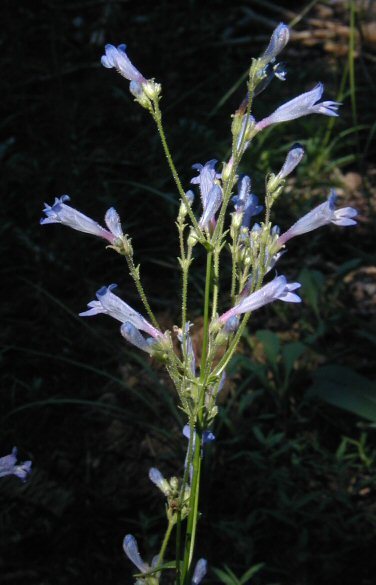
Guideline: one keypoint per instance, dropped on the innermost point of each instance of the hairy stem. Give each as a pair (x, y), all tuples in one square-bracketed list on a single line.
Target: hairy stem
[(157, 115), (135, 274), (190, 539)]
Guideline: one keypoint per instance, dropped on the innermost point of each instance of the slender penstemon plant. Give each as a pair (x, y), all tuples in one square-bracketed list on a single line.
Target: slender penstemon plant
[(224, 227)]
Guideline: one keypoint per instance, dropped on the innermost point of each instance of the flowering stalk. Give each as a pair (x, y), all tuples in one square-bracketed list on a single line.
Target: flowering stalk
[(255, 248)]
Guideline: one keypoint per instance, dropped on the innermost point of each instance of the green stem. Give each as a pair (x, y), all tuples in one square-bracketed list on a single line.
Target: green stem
[(171, 524), (157, 115), (185, 289), (222, 364), (208, 289), (181, 496), (215, 281), (190, 539), (237, 153), (134, 272)]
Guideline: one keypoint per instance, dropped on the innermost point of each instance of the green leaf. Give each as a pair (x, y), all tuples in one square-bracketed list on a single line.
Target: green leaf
[(250, 573), (312, 284), (271, 345), (345, 388), (290, 353), (226, 576)]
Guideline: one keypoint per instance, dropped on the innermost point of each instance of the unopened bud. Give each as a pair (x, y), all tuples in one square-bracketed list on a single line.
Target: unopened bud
[(227, 170), (126, 246), (192, 238), (151, 89), (174, 484), (237, 219)]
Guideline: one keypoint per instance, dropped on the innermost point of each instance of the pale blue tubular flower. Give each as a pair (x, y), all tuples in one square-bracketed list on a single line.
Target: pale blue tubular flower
[(277, 43), (277, 289), (131, 550), (245, 203), (115, 307), (133, 336), (303, 105), (213, 203), (293, 158), (200, 571), (116, 57), (59, 212), (206, 178), (157, 478), (321, 215), (9, 466)]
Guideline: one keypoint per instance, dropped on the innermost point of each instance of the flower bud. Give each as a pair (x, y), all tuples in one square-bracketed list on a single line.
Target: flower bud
[(192, 238), (151, 89)]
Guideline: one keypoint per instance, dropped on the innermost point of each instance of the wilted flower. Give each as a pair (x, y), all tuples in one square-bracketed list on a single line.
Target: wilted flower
[(59, 212), (116, 57), (269, 72), (112, 305), (199, 572), (303, 105), (321, 215), (277, 289), (8, 466)]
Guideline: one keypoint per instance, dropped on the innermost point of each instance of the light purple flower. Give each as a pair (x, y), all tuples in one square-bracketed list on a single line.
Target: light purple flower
[(8, 466), (321, 215), (131, 550), (112, 305), (116, 57), (277, 289), (245, 202), (293, 158), (303, 105), (199, 572), (206, 179), (210, 191), (59, 212), (277, 43), (133, 336), (214, 201)]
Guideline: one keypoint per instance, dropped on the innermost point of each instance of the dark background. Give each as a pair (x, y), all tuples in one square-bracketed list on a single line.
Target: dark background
[(290, 480)]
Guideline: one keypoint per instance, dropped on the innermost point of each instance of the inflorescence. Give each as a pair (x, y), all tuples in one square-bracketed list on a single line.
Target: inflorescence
[(223, 221)]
